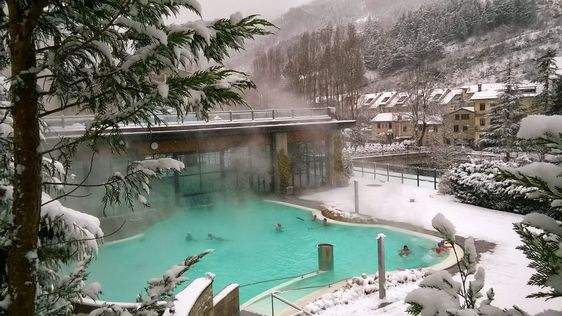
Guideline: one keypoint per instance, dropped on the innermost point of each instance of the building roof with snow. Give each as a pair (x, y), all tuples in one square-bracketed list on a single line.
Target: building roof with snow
[(399, 100), (384, 99), (451, 95), (367, 100)]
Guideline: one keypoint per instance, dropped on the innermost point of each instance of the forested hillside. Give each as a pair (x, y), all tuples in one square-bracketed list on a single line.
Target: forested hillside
[(467, 40)]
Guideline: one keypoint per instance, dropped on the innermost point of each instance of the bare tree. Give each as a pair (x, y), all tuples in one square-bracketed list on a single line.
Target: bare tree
[(419, 86)]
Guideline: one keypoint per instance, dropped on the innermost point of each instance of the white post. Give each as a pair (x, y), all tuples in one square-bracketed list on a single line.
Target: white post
[(356, 192), (382, 271)]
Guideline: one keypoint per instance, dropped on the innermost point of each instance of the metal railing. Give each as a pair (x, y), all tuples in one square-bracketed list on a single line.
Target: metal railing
[(81, 121), (275, 296), (399, 173)]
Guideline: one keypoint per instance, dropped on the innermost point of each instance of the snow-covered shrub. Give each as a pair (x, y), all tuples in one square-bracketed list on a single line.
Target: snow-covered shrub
[(362, 286), (439, 294), (482, 183), (373, 149)]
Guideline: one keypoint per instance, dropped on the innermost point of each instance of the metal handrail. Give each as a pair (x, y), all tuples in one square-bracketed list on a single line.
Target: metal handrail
[(228, 116), (274, 295)]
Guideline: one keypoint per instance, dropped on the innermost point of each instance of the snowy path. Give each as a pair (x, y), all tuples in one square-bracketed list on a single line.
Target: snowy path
[(506, 268)]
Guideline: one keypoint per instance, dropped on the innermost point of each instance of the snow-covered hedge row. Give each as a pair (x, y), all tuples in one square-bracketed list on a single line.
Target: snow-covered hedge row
[(372, 149), (480, 183), (361, 286)]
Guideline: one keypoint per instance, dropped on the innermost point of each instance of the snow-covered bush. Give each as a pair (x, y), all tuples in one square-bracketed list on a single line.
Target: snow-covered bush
[(439, 294), (361, 286), (373, 149), (482, 183)]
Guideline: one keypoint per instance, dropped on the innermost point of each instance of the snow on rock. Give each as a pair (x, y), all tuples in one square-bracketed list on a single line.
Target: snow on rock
[(79, 226), (186, 299), (444, 226), (535, 126), (360, 287)]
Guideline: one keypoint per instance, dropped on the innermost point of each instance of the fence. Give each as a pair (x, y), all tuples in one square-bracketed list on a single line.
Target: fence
[(214, 116), (398, 173)]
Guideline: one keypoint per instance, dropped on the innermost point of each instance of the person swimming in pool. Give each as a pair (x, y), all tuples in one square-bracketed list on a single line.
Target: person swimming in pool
[(405, 251), (188, 237), (213, 237), (325, 222), (278, 227)]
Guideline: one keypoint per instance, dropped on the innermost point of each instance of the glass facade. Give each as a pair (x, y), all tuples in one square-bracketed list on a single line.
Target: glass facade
[(308, 164)]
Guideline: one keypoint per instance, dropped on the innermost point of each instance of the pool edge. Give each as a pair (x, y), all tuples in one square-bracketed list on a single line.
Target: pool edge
[(447, 263)]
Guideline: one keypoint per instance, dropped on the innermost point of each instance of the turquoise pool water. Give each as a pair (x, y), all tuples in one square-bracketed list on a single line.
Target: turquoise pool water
[(252, 250)]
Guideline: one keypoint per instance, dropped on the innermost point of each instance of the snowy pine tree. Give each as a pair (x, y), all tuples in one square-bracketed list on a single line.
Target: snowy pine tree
[(541, 234), (118, 61), (546, 73), (504, 117)]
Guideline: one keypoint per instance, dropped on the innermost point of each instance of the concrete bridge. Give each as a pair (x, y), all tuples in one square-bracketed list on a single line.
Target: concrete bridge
[(231, 150)]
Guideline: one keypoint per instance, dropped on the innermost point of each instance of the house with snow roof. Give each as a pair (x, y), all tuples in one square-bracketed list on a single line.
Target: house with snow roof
[(398, 126), (459, 127)]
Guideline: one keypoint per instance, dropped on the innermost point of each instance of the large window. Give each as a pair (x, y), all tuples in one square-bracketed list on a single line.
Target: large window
[(482, 122), (456, 128), (464, 117), (308, 164), (482, 106)]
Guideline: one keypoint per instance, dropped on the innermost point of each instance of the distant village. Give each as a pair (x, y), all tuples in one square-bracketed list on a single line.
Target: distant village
[(454, 116)]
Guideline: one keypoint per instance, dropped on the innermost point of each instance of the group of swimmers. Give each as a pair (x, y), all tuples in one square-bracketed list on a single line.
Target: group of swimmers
[(210, 236), (279, 227), (441, 247)]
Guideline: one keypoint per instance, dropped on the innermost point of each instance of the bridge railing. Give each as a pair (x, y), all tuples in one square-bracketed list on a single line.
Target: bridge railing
[(80, 121), (421, 177)]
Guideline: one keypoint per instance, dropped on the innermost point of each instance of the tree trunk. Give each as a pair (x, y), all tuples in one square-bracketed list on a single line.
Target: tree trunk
[(27, 161)]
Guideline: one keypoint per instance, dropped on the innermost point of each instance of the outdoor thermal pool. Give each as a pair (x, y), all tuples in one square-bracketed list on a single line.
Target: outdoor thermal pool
[(252, 250)]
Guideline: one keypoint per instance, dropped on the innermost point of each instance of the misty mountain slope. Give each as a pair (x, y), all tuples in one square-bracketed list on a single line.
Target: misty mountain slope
[(319, 14)]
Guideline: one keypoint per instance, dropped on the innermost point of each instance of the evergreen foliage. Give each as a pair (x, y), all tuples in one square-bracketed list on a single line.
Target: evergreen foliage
[(504, 117), (546, 69), (542, 234), (118, 61), (419, 36)]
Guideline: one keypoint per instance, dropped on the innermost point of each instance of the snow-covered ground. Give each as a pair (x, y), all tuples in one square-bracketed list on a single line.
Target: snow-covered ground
[(506, 267)]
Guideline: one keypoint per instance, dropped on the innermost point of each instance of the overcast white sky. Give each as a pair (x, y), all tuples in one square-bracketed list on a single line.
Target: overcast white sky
[(213, 9)]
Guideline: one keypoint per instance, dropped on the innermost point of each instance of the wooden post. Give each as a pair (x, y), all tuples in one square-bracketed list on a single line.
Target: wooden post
[(382, 270), (434, 179), (375, 170), (418, 175), (402, 173)]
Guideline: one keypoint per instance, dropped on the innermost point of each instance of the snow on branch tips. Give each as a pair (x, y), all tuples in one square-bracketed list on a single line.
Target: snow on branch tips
[(82, 230), (444, 226), (153, 166)]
